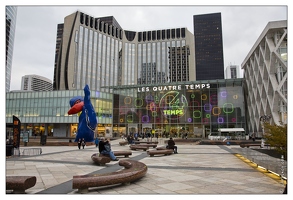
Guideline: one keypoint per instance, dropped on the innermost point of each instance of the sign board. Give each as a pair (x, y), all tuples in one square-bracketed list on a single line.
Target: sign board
[(16, 132)]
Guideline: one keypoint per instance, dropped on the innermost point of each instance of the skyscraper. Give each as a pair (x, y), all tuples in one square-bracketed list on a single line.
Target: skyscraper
[(101, 54), (11, 13), (36, 83), (232, 71), (208, 46)]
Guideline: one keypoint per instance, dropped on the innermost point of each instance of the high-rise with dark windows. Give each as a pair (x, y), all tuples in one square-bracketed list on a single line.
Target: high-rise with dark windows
[(208, 45), (11, 13)]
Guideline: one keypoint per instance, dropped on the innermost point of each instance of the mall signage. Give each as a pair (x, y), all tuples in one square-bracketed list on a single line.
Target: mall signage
[(174, 87)]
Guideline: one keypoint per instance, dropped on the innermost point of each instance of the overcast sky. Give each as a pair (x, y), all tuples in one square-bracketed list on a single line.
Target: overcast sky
[(36, 26)]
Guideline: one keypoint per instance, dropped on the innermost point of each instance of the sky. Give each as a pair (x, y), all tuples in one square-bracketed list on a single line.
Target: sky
[(36, 29)]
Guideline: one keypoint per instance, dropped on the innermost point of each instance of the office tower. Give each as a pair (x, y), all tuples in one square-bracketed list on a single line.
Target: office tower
[(232, 71), (208, 46), (11, 13), (36, 83), (60, 28), (98, 52), (266, 77)]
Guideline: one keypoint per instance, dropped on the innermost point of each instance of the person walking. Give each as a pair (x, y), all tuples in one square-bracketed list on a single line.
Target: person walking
[(79, 143), (253, 137), (105, 148), (83, 143), (171, 145), (97, 141)]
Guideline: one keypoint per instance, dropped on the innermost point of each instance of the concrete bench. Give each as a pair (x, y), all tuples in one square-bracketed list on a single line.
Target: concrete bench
[(122, 143), (133, 170), (161, 148), (148, 145), (160, 152), (144, 142), (100, 159), (126, 154), (139, 147), (20, 183)]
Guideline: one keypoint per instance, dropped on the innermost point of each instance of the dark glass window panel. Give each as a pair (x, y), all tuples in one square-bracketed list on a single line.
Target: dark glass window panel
[(173, 33), (91, 22), (86, 20), (153, 35), (100, 26), (81, 18), (168, 33), (183, 32), (163, 34), (158, 35), (149, 35), (139, 36), (178, 32)]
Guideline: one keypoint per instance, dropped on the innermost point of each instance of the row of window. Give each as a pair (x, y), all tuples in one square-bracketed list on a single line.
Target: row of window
[(161, 34), (97, 24)]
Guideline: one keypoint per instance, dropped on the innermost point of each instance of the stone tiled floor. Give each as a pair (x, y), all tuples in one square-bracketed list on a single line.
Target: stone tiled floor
[(196, 169)]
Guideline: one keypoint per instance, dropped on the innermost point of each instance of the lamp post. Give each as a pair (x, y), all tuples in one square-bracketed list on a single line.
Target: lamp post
[(264, 119)]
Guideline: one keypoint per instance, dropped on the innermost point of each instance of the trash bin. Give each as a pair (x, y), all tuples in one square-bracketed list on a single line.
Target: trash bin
[(9, 150)]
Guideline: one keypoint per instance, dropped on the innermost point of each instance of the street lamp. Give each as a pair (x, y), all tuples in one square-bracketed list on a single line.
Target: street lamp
[(264, 119)]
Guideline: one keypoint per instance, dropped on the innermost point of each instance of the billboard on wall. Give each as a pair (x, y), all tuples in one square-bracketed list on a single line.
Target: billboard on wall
[(16, 132), (206, 104)]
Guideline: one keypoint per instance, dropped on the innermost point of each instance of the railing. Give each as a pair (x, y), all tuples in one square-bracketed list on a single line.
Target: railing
[(32, 151), (276, 165)]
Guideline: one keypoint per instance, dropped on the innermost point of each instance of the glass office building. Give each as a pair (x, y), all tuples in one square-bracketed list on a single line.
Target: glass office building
[(45, 113), (101, 54), (208, 42), (11, 14)]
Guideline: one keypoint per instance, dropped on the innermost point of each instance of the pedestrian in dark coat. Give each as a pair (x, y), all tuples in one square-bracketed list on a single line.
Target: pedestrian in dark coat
[(83, 143), (79, 143), (171, 145)]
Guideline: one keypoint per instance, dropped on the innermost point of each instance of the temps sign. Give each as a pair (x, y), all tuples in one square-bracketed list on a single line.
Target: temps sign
[(16, 132)]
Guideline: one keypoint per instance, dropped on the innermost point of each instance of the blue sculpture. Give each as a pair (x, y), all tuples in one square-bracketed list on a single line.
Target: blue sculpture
[(87, 116)]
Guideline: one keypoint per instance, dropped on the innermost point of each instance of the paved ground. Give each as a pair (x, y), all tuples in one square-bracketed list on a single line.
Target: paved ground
[(196, 169)]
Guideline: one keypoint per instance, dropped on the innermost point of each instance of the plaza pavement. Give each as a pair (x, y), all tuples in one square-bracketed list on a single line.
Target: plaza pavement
[(195, 170)]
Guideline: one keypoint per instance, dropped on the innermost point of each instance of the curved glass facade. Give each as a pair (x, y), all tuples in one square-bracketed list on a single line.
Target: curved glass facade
[(196, 107)]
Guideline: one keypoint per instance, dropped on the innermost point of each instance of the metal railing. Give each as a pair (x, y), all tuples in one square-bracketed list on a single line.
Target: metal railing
[(32, 151), (276, 165)]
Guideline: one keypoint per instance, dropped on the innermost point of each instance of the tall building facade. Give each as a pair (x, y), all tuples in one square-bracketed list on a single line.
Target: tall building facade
[(36, 83), (11, 14), (208, 42), (266, 77), (102, 54), (232, 71)]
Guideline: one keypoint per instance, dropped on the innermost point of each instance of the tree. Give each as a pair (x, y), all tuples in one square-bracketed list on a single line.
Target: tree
[(276, 136)]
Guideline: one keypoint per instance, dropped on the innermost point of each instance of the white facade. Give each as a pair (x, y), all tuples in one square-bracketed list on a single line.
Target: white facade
[(232, 71), (36, 83), (265, 74)]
